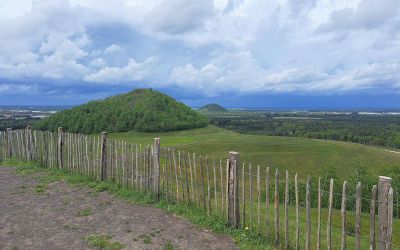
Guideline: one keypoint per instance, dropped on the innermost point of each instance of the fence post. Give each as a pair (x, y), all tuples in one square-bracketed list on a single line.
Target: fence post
[(60, 148), (9, 143), (103, 156), (233, 194), (29, 142), (385, 237), (372, 218), (156, 170), (358, 216)]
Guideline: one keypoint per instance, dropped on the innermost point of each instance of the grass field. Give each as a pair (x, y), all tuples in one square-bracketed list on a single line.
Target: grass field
[(301, 155)]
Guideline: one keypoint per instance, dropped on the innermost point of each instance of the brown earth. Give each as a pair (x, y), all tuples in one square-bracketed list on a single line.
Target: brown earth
[(64, 215)]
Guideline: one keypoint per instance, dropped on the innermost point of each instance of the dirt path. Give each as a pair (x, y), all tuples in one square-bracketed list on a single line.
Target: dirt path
[(64, 215)]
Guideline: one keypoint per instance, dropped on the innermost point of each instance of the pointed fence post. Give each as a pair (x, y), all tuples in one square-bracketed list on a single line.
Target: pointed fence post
[(9, 143), (60, 148), (103, 156), (156, 170), (233, 192), (384, 210)]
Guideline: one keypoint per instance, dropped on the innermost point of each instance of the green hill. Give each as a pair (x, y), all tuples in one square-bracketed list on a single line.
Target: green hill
[(144, 110), (213, 107)]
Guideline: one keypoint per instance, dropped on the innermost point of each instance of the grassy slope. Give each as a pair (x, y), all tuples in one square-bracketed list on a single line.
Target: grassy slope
[(301, 155)]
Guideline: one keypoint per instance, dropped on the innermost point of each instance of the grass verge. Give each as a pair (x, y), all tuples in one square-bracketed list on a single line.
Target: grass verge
[(245, 239)]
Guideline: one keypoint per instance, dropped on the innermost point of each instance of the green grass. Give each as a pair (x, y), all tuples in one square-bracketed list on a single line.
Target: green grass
[(84, 212), (168, 246), (301, 155), (103, 241)]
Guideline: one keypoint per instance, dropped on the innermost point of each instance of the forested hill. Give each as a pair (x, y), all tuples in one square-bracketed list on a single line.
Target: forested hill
[(144, 110), (212, 108)]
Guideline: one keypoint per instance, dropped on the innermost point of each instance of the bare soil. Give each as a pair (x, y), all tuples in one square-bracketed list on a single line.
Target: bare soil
[(64, 215)]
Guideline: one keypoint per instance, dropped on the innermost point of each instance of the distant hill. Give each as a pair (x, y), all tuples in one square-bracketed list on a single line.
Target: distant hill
[(143, 110), (212, 107)]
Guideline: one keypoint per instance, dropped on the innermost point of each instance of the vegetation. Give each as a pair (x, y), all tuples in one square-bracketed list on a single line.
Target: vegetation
[(297, 155), (15, 123), (103, 241), (212, 108), (380, 130), (144, 110)]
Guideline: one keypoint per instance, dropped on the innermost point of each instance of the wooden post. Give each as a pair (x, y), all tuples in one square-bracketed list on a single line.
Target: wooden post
[(343, 213), (308, 213), (267, 201), (61, 148), (222, 187), (29, 142), (296, 188), (202, 183), (258, 197), (287, 210), (9, 143), (176, 176), (208, 187), (357, 228), (390, 218), (233, 194), (319, 215), (197, 182), (215, 187), (384, 186), (372, 237), (276, 207), (243, 197), (156, 165), (180, 175), (191, 178), (103, 156), (251, 196), (329, 223)]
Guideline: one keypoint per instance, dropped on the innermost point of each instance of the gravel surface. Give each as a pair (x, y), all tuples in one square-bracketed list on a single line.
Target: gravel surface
[(64, 215)]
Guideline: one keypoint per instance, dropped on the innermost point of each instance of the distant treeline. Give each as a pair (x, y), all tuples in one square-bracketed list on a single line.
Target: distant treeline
[(143, 110), (16, 123), (381, 130)]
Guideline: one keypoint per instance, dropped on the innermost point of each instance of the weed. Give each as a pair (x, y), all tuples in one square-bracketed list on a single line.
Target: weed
[(40, 188), (169, 246), (103, 241), (147, 240), (84, 212), (71, 226)]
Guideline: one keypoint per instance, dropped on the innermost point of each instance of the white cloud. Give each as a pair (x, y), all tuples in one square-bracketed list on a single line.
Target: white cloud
[(13, 89), (180, 16), (111, 49), (133, 71), (367, 14)]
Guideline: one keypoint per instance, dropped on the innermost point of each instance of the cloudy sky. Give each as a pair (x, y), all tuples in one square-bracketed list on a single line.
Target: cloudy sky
[(260, 53)]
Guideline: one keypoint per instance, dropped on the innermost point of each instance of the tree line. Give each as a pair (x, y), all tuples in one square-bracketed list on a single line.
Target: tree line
[(380, 130)]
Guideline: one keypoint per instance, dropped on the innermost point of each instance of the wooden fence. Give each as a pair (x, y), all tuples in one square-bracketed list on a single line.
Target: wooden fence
[(291, 213)]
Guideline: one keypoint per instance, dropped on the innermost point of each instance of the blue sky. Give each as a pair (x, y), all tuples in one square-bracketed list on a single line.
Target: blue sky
[(240, 53)]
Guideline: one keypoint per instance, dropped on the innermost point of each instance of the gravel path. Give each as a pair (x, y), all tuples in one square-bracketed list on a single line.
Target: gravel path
[(62, 216)]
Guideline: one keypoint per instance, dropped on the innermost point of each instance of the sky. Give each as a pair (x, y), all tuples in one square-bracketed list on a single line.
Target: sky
[(239, 53)]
